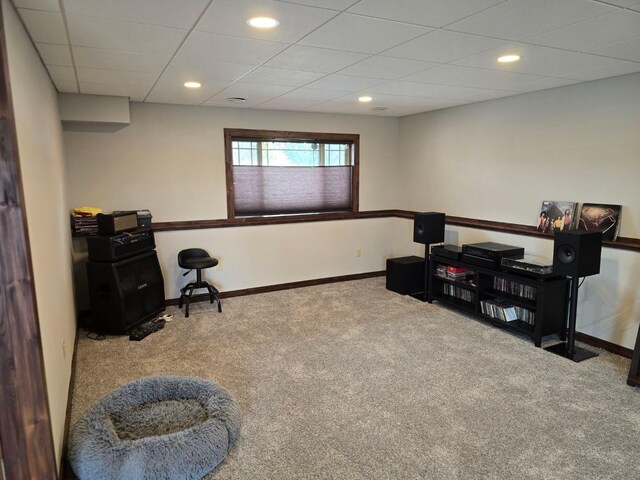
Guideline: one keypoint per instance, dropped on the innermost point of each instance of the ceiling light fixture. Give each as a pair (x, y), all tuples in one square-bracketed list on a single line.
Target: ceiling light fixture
[(508, 58), (263, 22), (192, 84), (365, 99), (237, 99)]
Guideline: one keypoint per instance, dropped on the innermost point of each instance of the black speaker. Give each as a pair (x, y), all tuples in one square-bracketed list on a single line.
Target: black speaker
[(428, 227), (125, 293), (576, 253), (405, 275)]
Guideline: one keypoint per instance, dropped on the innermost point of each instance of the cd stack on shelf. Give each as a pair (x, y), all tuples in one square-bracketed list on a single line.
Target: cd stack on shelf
[(502, 310), (84, 221), (459, 274), (458, 292), (514, 288)]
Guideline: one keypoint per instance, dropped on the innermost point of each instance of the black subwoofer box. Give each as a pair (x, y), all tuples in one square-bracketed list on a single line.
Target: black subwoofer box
[(405, 275), (125, 293), (428, 227)]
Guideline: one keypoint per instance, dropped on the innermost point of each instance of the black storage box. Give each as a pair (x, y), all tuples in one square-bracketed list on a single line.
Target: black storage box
[(405, 275)]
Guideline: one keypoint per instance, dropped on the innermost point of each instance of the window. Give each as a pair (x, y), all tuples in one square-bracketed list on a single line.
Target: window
[(280, 173)]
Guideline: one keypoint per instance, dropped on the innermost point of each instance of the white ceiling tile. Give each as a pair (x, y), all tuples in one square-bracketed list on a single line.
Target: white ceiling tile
[(312, 96), (537, 60), (193, 69), (542, 83), (229, 17), (288, 103), (473, 77), (222, 48), (123, 35), (434, 13), (134, 92), (55, 54), (331, 4), (44, 27), (61, 74), (47, 5), (116, 77), (312, 59), (345, 83), (622, 68), (518, 19), (629, 50), (355, 33), (87, 57), (442, 46), (254, 93), (632, 4), (586, 36), (66, 87), (402, 88), (388, 68), (169, 90), (281, 76), (168, 13)]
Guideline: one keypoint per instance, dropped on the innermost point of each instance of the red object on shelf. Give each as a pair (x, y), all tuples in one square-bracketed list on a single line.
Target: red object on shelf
[(456, 269)]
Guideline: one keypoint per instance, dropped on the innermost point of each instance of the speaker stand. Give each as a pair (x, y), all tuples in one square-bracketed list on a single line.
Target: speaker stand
[(569, 349), (424, 295)]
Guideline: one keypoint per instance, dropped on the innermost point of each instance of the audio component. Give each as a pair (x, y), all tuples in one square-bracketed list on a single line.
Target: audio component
[(489, 254), (528, 265), (405, 275), (117, 247), (110, 224), (428, 227), (447, 251), (576, 253), (125, 293)]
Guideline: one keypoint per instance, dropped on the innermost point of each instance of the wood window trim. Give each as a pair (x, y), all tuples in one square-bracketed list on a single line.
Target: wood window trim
[(275, 135)]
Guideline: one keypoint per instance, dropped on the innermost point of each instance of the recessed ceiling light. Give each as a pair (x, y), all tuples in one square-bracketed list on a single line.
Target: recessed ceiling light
[(237, 99), (508, 58), (365, 99), (263, 22), (192, 84)]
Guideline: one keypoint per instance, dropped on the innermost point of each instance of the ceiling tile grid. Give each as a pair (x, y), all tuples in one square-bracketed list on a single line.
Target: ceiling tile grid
[(410, 56)]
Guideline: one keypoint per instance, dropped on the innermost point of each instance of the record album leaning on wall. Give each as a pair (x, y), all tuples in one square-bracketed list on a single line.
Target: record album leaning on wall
[(556, 215), (598, 217)]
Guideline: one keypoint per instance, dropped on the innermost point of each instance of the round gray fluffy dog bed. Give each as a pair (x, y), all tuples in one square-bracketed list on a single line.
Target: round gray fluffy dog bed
[(155, 428)]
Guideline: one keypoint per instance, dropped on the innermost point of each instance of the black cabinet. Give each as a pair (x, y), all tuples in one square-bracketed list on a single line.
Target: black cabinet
[(533, 306)]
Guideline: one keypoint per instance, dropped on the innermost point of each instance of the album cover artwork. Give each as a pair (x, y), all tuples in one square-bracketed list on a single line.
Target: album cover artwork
[(602, 218), (555, 215)]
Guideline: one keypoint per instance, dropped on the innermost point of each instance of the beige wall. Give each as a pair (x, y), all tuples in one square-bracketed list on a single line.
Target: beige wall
[(498, 160), (42, 167), (170, 160)]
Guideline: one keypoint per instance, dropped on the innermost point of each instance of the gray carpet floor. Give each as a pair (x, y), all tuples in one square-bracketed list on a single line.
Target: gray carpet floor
[(351, 381)]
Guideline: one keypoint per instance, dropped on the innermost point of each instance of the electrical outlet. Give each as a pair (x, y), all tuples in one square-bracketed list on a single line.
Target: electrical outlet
[(64, 349), (220, 265), (358, 252)]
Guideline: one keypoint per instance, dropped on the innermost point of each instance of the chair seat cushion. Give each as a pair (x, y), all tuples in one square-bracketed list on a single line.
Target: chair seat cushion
[(155, 428), (200, 262)]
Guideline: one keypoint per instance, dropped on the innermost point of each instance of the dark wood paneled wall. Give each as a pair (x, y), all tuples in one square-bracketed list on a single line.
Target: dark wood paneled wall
[(25, 424)]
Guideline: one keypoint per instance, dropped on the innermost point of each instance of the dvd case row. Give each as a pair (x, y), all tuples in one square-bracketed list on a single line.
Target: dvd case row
[(502, 310), (514, 288)]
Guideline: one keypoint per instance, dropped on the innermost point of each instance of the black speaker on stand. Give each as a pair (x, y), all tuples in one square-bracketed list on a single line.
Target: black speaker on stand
[(576, 253), (428, 228)]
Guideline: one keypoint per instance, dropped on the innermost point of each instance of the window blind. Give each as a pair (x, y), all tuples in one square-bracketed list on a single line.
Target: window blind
[(267, 190)]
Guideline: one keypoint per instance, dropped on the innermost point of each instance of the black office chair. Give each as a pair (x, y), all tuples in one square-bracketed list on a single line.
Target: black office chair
[(196, 259)]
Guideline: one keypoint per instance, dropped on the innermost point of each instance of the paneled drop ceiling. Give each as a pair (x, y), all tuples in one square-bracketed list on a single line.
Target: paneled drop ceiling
[(410, 56)]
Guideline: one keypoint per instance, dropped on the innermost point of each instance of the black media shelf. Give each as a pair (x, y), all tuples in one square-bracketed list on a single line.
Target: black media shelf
[(548, 309)]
